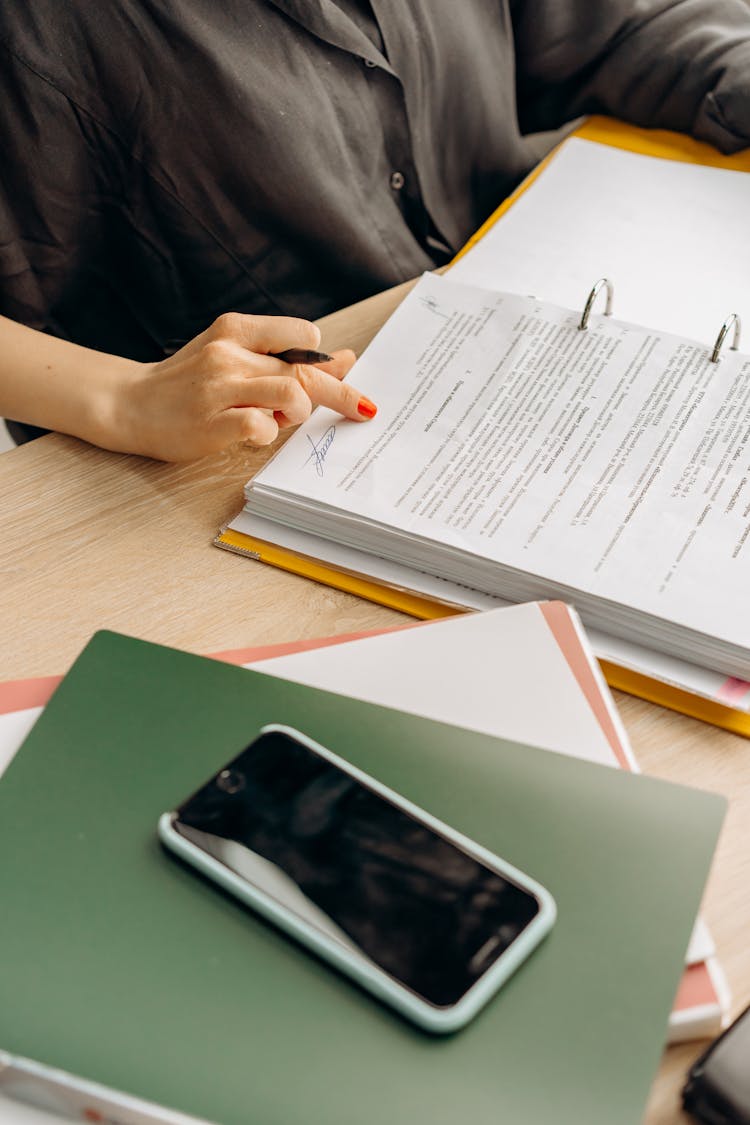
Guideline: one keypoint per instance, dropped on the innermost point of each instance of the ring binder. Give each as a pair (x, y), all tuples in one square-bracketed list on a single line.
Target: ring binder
[(732, 319), (601, 283)]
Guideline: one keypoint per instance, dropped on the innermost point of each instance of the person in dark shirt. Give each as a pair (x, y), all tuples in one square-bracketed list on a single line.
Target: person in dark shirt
[(164, 161)]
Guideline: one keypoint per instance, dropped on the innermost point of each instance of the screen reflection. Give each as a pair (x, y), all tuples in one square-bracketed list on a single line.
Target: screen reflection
[(357, 867)]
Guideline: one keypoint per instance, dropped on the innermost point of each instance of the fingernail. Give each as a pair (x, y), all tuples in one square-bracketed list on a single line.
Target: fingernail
[(366, 408)]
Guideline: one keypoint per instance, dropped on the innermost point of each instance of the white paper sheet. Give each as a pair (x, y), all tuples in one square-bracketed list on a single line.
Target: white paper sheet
[(501, 673), (689, 677), (523, 457), (673, 237)]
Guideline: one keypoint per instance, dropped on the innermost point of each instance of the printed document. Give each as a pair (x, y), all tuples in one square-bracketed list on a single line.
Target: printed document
[(522, 456)]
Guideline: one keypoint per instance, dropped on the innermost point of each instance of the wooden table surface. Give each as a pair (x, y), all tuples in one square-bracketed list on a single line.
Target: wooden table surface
[(99, 540)]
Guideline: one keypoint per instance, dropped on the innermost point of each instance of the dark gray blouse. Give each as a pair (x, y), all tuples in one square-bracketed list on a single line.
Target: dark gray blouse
[(162, 161)]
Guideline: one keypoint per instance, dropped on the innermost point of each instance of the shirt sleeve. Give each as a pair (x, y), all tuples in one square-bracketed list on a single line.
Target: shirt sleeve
[(49, 194), (675, 64)]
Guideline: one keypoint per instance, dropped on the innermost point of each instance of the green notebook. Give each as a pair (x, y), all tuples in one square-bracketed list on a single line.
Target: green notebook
[(119, 964)]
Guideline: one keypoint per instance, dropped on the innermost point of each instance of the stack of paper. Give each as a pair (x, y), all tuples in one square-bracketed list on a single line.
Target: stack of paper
[(119, 999), (521, 457), (588, 212), (526, 673)]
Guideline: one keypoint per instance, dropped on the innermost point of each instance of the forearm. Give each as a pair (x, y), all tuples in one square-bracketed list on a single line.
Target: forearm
[(227, 385), (679, 64), (60, 386)]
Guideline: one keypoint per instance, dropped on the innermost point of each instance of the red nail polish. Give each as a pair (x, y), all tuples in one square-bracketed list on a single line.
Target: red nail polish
[(366, 408)]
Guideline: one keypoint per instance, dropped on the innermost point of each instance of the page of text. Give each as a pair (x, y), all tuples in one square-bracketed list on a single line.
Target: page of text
[(615, 459)]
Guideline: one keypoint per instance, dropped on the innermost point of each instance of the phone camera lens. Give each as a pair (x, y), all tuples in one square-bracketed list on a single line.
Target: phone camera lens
[(230, 781)]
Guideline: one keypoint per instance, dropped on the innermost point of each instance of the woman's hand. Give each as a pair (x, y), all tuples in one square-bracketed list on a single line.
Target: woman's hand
[(221, 388), (225, 387)]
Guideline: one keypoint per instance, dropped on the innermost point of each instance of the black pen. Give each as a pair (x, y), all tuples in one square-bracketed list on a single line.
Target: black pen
[(302, 355), (305, 355)]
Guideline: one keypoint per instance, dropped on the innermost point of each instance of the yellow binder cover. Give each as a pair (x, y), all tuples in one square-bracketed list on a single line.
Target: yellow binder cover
[(649, 142)]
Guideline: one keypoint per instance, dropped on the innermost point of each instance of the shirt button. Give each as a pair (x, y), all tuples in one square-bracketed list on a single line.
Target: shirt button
[(397, 180), (369, 62)]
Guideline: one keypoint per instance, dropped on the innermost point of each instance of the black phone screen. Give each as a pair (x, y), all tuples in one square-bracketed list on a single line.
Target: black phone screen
[(357, 867)]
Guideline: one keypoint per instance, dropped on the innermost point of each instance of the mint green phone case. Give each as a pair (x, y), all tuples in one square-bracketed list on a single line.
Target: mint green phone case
[(440, 1020)]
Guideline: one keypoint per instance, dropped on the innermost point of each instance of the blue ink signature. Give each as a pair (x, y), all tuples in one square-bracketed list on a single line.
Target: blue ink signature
[(431, 304), (320, 449)]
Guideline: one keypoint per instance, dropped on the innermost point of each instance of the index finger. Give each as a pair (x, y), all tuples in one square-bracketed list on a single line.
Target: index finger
[(265, 334), (326, 390)]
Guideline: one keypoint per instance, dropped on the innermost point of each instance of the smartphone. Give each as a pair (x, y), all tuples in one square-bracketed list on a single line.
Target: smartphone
[(718, 1083), (426, 920)]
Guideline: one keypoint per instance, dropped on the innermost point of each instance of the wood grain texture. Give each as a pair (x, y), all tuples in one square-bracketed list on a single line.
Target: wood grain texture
[(94, 540), (99, 540)]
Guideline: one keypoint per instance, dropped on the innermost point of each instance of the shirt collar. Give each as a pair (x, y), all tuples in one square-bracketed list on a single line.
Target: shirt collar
[(326, 20)]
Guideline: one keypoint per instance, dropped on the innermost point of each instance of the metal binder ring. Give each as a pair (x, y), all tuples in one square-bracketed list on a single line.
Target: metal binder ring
[(602, 282), (732, 319)]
